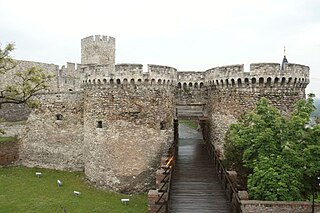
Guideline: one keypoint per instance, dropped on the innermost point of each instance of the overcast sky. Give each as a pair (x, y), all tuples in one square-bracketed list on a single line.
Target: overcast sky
[(188, 35)]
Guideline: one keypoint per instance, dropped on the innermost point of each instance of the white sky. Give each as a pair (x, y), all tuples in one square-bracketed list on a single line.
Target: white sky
[(185, 34)]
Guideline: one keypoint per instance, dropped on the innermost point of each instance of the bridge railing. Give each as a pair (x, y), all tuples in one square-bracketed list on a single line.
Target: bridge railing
[(158, 201), (228, 186), (164, 198)]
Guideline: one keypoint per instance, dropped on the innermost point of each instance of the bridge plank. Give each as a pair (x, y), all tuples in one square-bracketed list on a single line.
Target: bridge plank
[(195, 184)]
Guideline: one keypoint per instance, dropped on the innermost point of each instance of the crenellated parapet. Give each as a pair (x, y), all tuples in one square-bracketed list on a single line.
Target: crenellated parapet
[(191, 80), (69, 77), (163, 72), (265, 75), (91, 72), (128, 74), (129, 68), (98, 50)]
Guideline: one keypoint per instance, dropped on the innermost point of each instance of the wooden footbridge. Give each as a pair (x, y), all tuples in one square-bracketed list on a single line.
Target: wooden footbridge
[(197, 181)]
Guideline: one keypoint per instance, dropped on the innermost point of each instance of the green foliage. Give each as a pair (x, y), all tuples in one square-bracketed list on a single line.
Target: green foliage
[(6, 62), (273, 179), (7, 139), (22, 192), (26, 82), (278, 154)]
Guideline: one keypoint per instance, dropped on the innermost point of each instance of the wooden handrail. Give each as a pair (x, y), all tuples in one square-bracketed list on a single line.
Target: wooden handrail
[(226, 181), (169, 167), (167, 184)]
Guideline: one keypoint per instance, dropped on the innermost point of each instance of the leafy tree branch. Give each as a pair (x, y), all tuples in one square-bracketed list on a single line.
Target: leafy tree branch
[(278, 155), (6, 62), (26, 83)]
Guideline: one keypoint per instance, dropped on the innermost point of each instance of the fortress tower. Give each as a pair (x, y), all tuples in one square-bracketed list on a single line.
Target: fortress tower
[(98, 50)]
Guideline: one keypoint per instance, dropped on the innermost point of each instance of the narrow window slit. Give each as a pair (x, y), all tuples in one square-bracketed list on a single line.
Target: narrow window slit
[(99, 124), (59, 117)]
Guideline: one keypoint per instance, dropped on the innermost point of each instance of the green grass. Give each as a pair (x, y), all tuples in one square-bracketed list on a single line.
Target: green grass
[(13, 123), (7, 139), (189, 123), (21, 191)]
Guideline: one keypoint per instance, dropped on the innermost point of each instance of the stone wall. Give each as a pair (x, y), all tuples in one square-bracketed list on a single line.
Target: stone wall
[(12, 129), (187, 96), (21, 65), (14, 112), (53, 135), (253, 206), (226, 105), (9, 153), (126, 130)]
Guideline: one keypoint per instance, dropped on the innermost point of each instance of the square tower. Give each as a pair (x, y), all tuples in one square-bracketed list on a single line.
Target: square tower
[(98, 50)]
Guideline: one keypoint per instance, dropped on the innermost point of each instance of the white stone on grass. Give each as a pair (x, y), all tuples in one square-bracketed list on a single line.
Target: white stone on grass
[(125, 200), (76, 193), (38, 174)]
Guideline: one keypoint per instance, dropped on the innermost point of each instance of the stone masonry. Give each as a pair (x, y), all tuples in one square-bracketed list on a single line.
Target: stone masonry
[(114, 120)]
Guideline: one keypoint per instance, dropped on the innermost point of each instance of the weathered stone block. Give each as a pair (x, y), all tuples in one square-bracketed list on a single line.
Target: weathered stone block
[(243, 195)]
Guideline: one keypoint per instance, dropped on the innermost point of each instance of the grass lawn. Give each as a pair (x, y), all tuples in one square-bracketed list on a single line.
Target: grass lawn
[(21, 191), (7, 139), (189, 123)]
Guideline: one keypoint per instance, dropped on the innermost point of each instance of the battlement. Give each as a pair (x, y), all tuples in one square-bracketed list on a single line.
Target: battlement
[(126, 75), (191, 76), (261, 75), (98, 38), (232, 76), (98, 50), (161, 69), (122, 83), (70, 67), (129, 67), (274, 68), (161, 72), (190, 79), (226, 70), (264, 67), (297, 68), (69, 76), (257, 70)]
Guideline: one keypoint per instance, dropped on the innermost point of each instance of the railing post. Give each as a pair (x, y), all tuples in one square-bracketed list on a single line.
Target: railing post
[(227, 180), (158, 199), (153, 198)]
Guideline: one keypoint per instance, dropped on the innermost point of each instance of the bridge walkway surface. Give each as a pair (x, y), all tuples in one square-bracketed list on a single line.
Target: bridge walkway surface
[(195, 184)]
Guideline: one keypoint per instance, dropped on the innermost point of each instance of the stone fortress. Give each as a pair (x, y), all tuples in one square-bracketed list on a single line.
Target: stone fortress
[(113, 121)]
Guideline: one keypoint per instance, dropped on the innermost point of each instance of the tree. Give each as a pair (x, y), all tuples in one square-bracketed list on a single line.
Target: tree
[(26, 82), (6, 62), (277, 154)]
